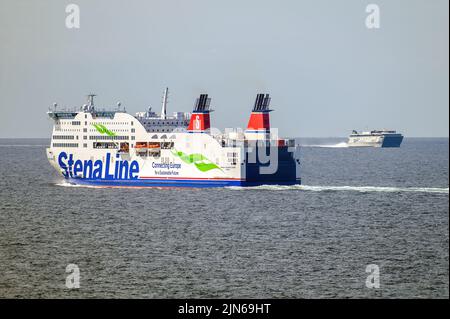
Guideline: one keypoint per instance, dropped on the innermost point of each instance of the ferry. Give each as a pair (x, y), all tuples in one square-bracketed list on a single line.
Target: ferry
[(98, 147), (375, 138)]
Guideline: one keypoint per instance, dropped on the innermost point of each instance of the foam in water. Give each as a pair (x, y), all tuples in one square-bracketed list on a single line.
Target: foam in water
[(362, 189), (338, 145), (67, 184)]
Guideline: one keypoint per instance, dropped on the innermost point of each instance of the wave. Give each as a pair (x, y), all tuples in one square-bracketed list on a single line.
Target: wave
[(361, 189), (338, 145), (67, 184)]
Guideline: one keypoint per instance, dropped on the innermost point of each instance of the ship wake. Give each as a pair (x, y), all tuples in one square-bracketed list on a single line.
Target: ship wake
[(308, 188), (361, 189), (337, 145), (67, 184)]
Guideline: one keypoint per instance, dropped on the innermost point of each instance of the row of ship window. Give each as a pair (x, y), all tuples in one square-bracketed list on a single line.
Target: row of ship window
[(66, 129), (111, 145), (91, 130), (103, 123), (65, 145), (115, 137), (163, 130), (125, 123), (95, 145), (112, 130), (103, 137), (164, 123), (72, 137), (113, 123)]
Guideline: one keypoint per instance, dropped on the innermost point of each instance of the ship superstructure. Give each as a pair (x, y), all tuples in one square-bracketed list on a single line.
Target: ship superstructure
[(154, 122), (114, 148)]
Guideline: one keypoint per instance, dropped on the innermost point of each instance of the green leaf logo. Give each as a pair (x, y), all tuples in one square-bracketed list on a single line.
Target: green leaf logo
[(201, 162), (103, 130)]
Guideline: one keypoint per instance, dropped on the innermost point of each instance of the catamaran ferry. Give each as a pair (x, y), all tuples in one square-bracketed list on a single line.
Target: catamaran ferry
[(375, 138), (113, 148)]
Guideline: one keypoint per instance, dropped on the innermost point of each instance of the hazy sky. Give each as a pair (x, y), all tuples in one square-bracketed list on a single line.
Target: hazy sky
[(326, 71)]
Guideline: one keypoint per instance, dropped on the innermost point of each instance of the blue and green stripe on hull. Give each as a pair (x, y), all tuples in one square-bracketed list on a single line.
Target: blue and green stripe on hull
[(178, 182)]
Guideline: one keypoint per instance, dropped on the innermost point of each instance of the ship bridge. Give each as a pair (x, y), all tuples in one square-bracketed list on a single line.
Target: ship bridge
[(68, 114)]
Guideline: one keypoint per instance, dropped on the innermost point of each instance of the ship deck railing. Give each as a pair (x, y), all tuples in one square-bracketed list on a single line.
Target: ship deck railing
[(69, 113)]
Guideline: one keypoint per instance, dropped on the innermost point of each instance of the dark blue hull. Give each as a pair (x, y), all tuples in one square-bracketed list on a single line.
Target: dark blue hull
[(284, 175), (392, 141)]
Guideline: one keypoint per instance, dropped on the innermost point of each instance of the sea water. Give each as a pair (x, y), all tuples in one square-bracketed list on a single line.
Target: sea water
[(356, 207)]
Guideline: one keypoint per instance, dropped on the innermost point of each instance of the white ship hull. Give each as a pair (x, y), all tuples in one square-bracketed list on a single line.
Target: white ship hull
[(375, 139), (368, 141)]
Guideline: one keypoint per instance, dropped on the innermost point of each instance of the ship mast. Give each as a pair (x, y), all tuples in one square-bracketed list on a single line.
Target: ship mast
[(164, 104)]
